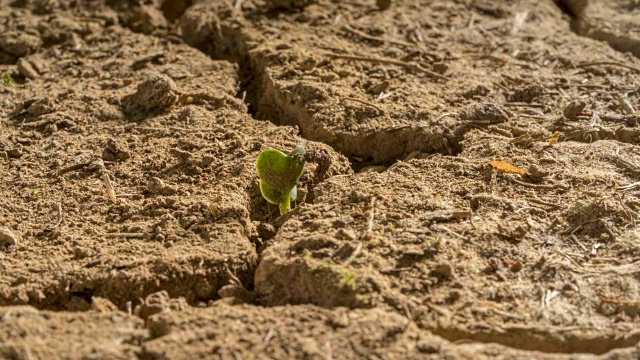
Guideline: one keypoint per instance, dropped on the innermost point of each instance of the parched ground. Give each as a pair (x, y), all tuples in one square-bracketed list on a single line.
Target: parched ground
[(482, 197)]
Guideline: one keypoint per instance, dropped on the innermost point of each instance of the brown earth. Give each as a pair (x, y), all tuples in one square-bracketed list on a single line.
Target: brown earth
[(130, 206)]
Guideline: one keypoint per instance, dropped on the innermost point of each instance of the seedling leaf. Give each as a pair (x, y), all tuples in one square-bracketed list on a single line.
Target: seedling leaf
[(279, 174)]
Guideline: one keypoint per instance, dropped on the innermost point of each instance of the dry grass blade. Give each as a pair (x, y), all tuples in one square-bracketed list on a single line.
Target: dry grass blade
[(109, 187), (364, 103), (630, 186)]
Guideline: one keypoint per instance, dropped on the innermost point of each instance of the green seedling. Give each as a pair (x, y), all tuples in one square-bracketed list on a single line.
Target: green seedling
[(8, 80), (348, 278), (279, 175)]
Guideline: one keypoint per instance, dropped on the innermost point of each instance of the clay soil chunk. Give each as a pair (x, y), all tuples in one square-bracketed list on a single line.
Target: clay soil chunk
[(26, 333), (614, 22)]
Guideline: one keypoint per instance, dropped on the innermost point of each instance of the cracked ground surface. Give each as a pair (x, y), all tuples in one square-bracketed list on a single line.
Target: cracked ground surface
[(482, 199)]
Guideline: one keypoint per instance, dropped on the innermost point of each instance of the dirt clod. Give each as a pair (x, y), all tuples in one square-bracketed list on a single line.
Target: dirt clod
[(266, 231), (115, 151), (26, 69), (159, 302), (158, 187), (156, 93), (444, 270), (491, 113), (7, 237), (573, 109), (19, 44)]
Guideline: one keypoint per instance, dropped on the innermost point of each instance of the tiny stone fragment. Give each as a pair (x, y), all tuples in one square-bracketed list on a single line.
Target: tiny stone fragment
[(15, 153), (527, 93), (102, 305), (159, 302)]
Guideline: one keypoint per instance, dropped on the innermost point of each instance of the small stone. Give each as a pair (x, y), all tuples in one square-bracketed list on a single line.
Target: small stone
[(115, 151), (379, 87), (329, 77), (159, 302), (146, 19), (19, 44), (237, 292), (536, 173), (267, 231), (573, 109), (526, 93), (516, 266), (383, 4), (440, 67), (7, 237), (444, 270), (15, 153), (26, 69)]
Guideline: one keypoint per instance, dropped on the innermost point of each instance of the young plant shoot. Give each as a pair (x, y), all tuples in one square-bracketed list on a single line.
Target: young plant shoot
[(279, 175)]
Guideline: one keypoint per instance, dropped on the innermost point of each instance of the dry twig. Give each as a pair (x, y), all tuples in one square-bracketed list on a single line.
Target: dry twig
[(364, 103), (538, 186), (612, 63), (128, 235), (389, 62), (376, 38)]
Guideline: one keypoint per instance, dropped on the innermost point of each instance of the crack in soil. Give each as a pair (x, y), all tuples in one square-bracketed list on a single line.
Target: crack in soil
[(231, 41), (551, 341)]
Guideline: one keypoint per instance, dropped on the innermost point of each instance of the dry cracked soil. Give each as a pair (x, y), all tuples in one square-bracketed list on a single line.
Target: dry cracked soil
[(481, 200)]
